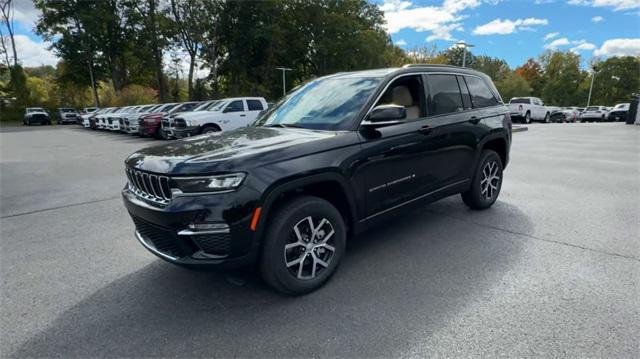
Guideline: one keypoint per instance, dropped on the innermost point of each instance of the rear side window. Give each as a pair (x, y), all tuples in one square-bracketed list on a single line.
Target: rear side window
[(519, 100), (254, 105), (235, 106), (444, 96), (481, 95)]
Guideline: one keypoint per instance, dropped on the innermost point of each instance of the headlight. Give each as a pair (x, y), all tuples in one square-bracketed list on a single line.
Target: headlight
[(190, 123), (209, 184)]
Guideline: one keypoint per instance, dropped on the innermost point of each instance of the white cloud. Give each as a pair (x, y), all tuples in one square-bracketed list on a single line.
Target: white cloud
[(617, 5), (550, 35), (441, 20), (563, 41), (578, 45), (25, 12), (401, 42), (619, 47), (31, 53), (504, 27), (597, 19)]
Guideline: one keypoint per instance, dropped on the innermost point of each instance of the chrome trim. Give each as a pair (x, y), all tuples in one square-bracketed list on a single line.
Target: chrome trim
[(152, 249), (188, 232), (414, 199)]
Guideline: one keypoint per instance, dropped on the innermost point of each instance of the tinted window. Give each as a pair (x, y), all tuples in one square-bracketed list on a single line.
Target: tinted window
[(466, 97), (445, 95), (519, 100), (481, 95), (235, 106), (254, 105)]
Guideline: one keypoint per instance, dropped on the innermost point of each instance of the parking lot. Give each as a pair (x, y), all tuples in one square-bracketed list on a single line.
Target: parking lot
[(553, 269)]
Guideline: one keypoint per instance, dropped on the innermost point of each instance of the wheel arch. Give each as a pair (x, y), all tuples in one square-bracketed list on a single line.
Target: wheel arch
[(330, 186), (500, 145)]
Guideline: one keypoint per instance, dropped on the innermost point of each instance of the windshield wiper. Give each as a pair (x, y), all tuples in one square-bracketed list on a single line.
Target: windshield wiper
[(283, 125)]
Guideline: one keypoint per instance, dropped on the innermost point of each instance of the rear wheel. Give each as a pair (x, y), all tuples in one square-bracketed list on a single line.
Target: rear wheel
[(486, 183), (527, 117), (546, 118), (303, 245)]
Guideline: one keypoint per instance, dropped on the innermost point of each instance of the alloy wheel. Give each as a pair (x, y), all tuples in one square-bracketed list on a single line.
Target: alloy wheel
[(490, 180), (311, 248)]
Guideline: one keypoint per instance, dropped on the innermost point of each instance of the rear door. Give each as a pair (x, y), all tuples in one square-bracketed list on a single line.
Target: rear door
[(254, 107)]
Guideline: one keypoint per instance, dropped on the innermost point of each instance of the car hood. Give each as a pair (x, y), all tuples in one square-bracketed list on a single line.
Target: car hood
[(198, 114), (235, 150)]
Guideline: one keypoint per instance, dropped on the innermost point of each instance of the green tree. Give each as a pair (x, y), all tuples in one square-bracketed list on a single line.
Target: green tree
[(616, 79), (513, 85), (562, 77)]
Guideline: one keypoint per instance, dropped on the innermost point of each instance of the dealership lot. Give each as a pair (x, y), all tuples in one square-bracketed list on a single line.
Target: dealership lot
[(552, 269)]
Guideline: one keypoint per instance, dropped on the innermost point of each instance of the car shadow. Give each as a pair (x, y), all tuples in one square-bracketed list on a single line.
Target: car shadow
[(398, 284)]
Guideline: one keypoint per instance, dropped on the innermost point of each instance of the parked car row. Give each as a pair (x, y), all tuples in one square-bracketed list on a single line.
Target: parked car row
[(177, 120), (529, 109)]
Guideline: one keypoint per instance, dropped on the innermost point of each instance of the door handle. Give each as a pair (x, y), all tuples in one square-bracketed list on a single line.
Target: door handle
[(243, 115), (474, 120), (425, 130)]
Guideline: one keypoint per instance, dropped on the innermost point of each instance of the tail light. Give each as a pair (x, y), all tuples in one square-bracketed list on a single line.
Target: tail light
[(520, 108)]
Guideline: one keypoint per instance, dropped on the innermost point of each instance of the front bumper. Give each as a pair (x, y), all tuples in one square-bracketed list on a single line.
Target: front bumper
[(186, 131), (166, 233), (149, 130)]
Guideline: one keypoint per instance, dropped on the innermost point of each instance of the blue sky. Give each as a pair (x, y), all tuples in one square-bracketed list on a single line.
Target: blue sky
[(510, 29)]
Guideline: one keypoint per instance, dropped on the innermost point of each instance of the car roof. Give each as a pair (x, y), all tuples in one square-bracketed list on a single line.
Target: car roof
[(409, 68)]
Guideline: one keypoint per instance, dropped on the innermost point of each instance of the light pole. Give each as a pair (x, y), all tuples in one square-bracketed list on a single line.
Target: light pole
[(593, 76), (464, 46), (284, 79)]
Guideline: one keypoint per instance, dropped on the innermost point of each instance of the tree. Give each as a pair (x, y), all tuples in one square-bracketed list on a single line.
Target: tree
[(6, 12), (495, 68), (194, 20), (513, 85), (455, 54), (616, 79), (562, 77), (532, 72)]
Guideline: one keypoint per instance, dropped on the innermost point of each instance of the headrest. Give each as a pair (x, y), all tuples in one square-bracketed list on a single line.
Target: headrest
[(402, 96)]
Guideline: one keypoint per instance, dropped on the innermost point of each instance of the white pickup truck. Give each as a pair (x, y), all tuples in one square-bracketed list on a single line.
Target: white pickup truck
[(225, 115), (527, 109)]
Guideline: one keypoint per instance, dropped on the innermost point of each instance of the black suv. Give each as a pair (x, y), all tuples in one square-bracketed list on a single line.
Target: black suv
[(333, 157)]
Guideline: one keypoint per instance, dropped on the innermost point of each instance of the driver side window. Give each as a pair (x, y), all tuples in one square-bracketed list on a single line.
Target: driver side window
[(406, 91), (235, 106)]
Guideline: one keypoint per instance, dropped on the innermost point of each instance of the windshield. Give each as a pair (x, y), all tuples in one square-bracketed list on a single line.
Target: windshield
[(520, 100), (67, 110), (166, 107), (216, 106), (35, 109), (324, 104), (204, 105), (621, 106), (593, 108)]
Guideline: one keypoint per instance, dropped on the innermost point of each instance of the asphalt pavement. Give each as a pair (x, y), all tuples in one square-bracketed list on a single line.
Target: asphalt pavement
[(551, 270)]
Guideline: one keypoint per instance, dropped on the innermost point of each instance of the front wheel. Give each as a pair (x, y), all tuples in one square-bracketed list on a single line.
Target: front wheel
[(486, 183), (546, 118), (304, 243), (210, 129)]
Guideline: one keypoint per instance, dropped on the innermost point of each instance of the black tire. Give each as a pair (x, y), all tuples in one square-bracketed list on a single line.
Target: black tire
[(546, 118), (527, 117), (280, 233), (475, 197), (210, 129)]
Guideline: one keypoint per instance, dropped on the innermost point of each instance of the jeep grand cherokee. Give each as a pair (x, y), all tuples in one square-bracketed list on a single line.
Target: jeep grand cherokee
[(332, 158)]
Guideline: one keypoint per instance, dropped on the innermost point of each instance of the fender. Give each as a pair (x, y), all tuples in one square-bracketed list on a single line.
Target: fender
[(501, 135), (288, 184)]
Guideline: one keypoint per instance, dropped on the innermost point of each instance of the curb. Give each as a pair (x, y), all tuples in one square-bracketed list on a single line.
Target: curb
[(519, 129)]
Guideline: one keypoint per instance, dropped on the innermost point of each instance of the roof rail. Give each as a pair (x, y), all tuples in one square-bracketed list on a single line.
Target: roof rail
[(434, 65)]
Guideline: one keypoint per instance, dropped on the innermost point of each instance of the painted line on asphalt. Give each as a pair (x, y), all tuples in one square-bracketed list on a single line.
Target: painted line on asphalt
[(58, 207)]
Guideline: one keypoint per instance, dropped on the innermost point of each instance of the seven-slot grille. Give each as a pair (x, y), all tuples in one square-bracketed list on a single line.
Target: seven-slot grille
[(149, 186)]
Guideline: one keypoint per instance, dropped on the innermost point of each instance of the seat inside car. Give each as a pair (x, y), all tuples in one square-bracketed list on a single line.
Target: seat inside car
[(402, 97)]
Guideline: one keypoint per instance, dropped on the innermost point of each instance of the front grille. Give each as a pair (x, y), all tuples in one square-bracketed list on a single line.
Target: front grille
[(179, 123), (215, 243), (162, 239), (165, 123), (149, 186), (109, 120)]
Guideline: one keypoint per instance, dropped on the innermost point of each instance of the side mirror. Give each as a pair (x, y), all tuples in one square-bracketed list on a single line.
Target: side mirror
[(386, 115)]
